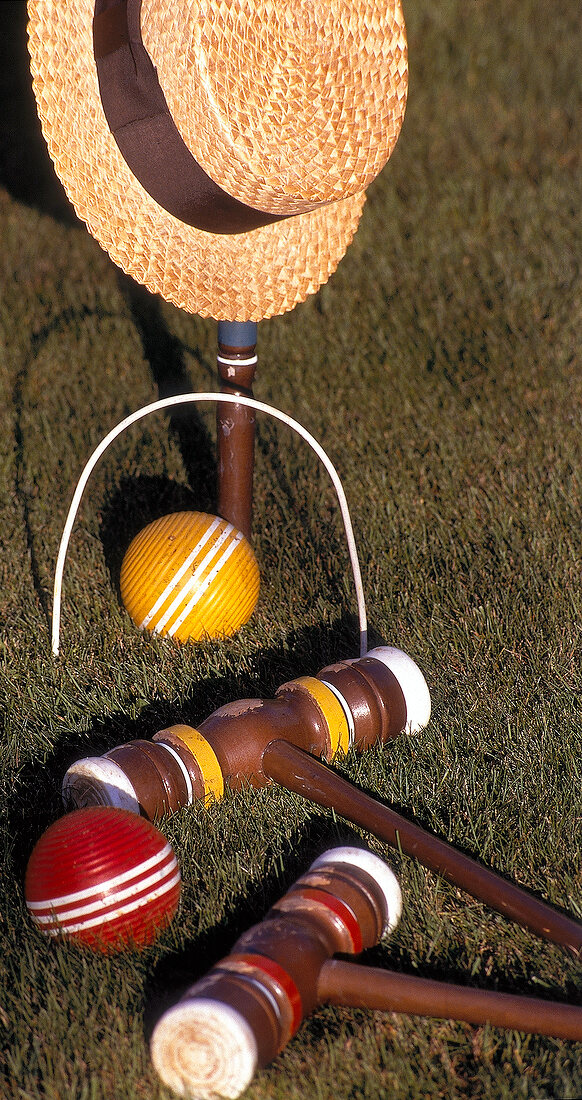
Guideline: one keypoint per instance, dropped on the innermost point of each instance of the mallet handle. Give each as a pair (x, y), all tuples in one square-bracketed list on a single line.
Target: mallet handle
[(300, 772), (354, 986)]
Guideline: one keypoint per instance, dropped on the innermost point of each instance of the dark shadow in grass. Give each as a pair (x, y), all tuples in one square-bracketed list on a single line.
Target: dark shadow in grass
[(37, 343), (27, 173), (26, 169), (135, 503), (177, 971), (24, 498), (165, 355), (35, 800)]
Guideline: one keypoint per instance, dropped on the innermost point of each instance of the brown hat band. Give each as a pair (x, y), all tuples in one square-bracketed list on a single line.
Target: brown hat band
[(139, 119)]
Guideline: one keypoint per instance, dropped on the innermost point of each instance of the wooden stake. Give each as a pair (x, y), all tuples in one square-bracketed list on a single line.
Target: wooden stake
[(235, 424)]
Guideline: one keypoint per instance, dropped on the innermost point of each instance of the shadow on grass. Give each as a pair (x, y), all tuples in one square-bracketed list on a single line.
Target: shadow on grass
[(35, 802), (137, 502), (164, 353), (27, 173), (26, 170)]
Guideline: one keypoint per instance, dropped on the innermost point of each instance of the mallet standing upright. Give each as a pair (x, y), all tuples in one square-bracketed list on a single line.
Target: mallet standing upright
[(235, 424)]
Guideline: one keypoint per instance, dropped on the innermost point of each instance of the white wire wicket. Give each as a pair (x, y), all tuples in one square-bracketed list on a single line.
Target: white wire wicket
[(193, 398)]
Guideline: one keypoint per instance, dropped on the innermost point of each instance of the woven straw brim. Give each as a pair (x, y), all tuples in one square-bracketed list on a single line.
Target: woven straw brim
[(243, 276)]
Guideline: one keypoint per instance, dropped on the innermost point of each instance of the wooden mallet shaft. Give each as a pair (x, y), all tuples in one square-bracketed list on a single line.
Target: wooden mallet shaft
[(345, 983), (245, 1010), (300, 772), (260, 741), (235, 424)]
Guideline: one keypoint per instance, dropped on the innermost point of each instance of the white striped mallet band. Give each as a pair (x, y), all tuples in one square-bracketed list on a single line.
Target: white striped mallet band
[(204, 755), (180, 572), (254, 981), (346, 709), (330, 708), (250, 362), (377, 869), (183, 768)]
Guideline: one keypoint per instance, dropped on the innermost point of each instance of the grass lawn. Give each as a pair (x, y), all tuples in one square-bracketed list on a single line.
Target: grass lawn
[(441, 370)]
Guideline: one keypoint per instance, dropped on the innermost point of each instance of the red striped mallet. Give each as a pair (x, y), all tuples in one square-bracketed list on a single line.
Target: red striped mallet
[(248, 1007), (244, 1011), (104, 878)]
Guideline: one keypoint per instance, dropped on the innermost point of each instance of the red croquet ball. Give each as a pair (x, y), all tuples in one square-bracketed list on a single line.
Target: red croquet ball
[(104, 877)]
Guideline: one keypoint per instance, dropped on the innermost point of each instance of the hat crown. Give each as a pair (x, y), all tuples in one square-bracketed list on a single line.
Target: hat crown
[(286, 104)]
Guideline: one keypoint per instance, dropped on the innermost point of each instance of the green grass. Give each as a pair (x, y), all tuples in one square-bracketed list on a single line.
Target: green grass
[(440, 368)]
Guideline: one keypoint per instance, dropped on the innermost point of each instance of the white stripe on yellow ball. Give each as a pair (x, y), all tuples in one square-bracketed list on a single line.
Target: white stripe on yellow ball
[(199, 582), (192, 556), (190, 575)]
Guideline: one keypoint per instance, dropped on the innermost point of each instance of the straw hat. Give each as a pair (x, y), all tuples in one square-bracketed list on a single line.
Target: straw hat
[(246, 132)]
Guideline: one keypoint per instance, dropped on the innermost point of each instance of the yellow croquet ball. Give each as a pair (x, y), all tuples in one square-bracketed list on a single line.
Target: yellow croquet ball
[(190, 576)]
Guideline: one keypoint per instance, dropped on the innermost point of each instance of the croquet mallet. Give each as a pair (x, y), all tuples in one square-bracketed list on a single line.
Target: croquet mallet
[(244, 1011), (354, 703)]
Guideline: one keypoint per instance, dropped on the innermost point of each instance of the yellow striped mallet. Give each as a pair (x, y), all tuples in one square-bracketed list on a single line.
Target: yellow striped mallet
[(354, 703)]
